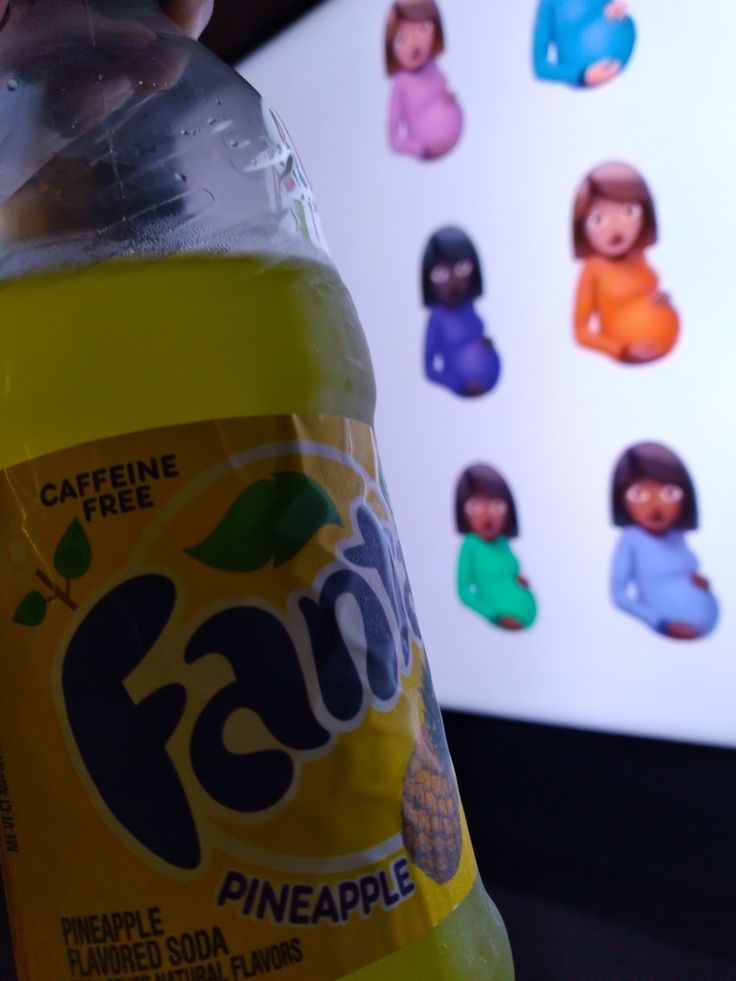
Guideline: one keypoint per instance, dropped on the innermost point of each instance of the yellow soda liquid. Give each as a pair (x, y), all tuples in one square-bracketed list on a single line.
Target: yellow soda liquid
[(128, 346)]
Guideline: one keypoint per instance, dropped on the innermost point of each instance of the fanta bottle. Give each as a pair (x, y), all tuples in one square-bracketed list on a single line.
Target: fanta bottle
[(220, 752)]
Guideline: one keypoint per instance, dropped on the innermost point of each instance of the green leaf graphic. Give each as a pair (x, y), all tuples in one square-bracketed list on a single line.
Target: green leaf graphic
[(304, 508), (271, 519), (73, 555), (32, 610)]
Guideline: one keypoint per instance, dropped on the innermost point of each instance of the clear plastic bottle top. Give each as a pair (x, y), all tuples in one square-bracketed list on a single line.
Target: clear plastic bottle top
[(120, 135)]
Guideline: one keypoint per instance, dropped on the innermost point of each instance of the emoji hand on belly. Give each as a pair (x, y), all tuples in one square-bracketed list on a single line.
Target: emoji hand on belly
[(616, 10), (680, 631), (602, 71)]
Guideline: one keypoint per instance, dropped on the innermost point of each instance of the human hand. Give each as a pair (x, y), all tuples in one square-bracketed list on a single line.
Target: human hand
[(616, 10), (601, 71), (191, 15), (680, 631)]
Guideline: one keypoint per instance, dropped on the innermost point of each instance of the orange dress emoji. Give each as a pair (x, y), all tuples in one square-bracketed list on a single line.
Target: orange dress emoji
[(620, 311), (619, 307)]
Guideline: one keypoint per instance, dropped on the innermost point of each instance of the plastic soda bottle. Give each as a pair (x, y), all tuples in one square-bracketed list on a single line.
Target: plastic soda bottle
[(220, 752)]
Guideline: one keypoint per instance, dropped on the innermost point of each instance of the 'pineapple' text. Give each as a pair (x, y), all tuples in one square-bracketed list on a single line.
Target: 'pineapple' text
[(308, 905)]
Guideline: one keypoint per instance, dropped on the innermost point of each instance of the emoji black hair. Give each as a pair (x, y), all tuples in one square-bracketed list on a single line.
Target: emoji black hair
[(449, 245)]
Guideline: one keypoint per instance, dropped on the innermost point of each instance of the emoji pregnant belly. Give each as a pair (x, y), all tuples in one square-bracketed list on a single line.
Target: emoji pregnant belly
[(476, 366), (678, 599), (604, 38), (439, 122), (646, 322)]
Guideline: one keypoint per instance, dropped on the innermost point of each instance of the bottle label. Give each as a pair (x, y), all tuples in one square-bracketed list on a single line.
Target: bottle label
[(220, 753)]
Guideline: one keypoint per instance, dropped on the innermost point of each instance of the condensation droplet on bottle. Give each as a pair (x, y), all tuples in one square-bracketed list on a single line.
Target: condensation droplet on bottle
[(12, 84), (212, 120), (180, 177)]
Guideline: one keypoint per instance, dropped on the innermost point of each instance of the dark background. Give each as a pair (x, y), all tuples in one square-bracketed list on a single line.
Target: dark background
[(611, 858), (239, 26)]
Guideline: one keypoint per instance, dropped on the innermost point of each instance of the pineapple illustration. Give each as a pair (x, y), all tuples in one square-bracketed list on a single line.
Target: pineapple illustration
[(430, 809)]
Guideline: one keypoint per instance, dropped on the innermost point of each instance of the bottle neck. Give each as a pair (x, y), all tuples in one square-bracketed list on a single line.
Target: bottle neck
[(123, 136)]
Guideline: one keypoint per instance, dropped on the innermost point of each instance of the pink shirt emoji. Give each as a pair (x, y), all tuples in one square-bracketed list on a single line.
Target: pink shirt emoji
[(424, 117)]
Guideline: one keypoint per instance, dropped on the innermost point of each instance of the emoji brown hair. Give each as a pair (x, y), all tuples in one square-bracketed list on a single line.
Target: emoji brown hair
[(415, 11), (485, 481), (652, 461), (615, 182)]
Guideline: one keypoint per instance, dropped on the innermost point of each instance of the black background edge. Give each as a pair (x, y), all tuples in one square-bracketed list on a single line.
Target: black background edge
[(238, 27), (638, 831)]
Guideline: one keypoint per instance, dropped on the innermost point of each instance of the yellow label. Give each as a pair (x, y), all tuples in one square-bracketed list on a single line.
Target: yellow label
[(220, 753)]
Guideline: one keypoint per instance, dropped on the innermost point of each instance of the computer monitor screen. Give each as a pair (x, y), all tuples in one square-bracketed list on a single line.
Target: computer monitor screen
[(533, 204)]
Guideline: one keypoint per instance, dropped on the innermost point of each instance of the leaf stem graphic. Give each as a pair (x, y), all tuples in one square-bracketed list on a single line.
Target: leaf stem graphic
[(58, 593)]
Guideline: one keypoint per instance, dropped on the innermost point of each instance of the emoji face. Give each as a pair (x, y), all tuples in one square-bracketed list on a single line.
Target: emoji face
[(453, 281), (654, 506), (486, 516), (613, 228), (414, 43)]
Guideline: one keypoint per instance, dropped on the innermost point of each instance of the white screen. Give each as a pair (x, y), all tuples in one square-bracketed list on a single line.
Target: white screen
[(561, 415)]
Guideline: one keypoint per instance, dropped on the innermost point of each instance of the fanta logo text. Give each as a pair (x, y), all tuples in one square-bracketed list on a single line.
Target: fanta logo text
[(359, 621)]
